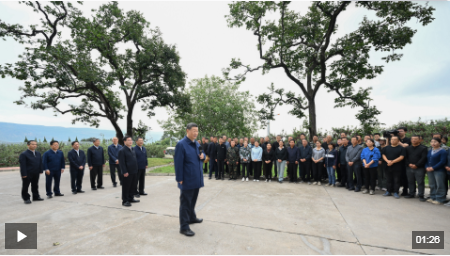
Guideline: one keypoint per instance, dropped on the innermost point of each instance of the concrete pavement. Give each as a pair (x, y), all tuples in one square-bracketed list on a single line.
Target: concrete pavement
[(239, 218)]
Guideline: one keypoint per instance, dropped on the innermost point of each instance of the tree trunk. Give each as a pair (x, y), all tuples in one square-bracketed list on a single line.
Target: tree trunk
[(130, 121), (119, 133), (312, 119)]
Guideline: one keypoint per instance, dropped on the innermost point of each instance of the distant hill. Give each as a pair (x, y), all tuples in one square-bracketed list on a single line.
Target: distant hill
[(10, 132)]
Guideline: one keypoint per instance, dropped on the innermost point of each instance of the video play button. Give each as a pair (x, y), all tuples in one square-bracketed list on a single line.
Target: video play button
[(20, 235)]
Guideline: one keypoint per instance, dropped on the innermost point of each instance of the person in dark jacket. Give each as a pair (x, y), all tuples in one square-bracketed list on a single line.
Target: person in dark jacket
[(416, 157), (232, 159), (342, 163), (305, 151), (268, 157), (353, 159), (212, 157), (188, 174), (205, 149), (54, 165), (30, 169), (245, 156), (275, 145), (129, 168), (293, 158), (113, 153), (330, 164), (281, 156), (77, 160), (142, 160), (96, 162), (221, 155), (435, 167)]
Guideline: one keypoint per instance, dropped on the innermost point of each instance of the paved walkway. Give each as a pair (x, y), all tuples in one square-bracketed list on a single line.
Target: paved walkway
[(239, 218)]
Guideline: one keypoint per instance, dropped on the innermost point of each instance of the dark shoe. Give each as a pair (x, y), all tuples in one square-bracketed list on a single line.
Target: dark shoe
[(409, 196), (126, 204), (59, 194), (341, 186), (27, 201), (187, 232), (74, 192), (94, 188), (38, 199), (101, 187), (49, 196), (80, 191), (357, 189), (230, 179), (405, 194), (209, 177), (422, 199), (223, 178), (197, 220), (137, 196), (143, 194), (351, 189), (115, 185), (134, 201)]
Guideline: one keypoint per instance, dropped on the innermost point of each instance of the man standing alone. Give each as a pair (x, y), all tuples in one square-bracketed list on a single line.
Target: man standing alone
[(30, 169), (96, 162), (189, 176)]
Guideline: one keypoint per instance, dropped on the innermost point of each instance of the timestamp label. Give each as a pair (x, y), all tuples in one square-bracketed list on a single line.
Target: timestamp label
[(428, 239)]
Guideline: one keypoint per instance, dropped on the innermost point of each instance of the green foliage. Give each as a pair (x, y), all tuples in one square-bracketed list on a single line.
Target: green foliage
[(45, 140), (218, 107), (155, 151), (26, 140), (89, 67), (301, 45)]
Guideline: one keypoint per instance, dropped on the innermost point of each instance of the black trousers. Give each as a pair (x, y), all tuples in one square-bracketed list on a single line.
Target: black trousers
[(339, 174), (188, 199), (112, 171), (355, 169), (370, 177), (96, 172), (275, 169), (227, 170), (245, 166), (212, 167), (205, 167), (250, 168), (344, 173), (393, 177), (33, 179), (76, 179), (317, 170), (140, 182), (220, 164), (128, 189), (257, 170), (292, 171), (305, 170), (404, 178), (267, 168)]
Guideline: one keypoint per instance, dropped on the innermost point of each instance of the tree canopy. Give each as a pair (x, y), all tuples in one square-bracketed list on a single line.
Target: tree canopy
[(306, 49), (72, 56), (218, 107)]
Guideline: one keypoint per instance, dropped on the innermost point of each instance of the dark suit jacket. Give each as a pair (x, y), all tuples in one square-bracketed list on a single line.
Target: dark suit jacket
[(212, 150), (127, 160), (75, 160), (30, 163), (141, 157)]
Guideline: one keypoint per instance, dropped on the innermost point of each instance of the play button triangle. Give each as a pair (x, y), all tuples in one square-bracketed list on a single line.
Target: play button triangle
[(20, 236)]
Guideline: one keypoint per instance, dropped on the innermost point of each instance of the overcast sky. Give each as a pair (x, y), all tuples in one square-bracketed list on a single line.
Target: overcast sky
[(417, 86)]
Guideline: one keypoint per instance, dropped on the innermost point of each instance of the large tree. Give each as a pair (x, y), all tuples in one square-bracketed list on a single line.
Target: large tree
[(218, 107), (306, 48), (95, 60)]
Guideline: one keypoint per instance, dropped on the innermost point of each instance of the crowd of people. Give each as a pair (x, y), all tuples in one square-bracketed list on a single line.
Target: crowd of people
[(362, 165), (129, 162)]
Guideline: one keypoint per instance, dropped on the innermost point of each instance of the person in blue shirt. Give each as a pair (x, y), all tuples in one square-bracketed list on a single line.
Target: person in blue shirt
[(330, 164), (96, 162), (370, 157), (435, 167), (54, 165), (188, 163), (292, 162), (142, 161), (113, 153)]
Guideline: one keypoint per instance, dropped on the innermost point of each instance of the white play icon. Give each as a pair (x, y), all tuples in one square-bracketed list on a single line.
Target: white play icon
[(20, 236)]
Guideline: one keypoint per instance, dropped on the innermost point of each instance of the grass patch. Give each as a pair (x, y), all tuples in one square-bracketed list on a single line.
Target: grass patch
[(159, 161), (165, 169)]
